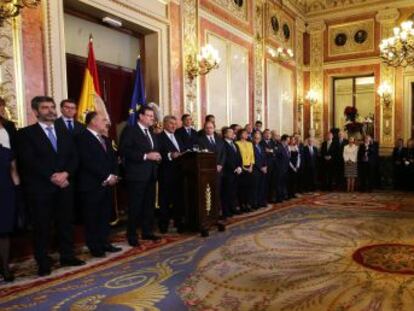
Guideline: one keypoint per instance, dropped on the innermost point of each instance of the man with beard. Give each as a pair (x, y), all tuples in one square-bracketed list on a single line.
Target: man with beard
[(48, 162)]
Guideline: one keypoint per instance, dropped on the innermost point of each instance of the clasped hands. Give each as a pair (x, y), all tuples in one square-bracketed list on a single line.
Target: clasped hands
[(60, 179)]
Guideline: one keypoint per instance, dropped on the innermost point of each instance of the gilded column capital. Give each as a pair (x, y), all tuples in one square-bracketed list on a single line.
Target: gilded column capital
[(300, 25), (316, 27), (387, 16)]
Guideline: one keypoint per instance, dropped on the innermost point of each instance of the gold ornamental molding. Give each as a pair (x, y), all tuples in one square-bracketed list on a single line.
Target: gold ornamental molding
[(239, 11), (11, 70), (300, 29), (387, 19), (190, 47), (259, 62)]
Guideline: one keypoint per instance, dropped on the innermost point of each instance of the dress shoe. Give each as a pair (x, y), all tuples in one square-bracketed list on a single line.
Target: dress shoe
[(71, 262), (98, 254), (44, 270), (133, 242), (8, 276), (111, 248), (151, 237)]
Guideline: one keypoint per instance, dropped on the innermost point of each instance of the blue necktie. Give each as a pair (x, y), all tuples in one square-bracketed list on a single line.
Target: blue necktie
[(70, 125), (52, 137)]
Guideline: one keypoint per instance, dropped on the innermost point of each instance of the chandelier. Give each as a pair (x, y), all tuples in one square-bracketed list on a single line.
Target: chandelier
[(398, 50), (11, 8), (281, 54), (202, 63)]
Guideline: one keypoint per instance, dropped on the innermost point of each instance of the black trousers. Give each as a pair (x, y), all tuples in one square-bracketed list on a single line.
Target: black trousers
[(282, 193), (96, 211), (228, 193), (292, 183), (329, 174), (141, 207), (260, 188), (309, 178), (52, 208), (171, 193), (246, 188), (366, 176)]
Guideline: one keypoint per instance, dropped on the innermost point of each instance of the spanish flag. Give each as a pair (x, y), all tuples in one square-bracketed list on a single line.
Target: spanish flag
[(90, 99)]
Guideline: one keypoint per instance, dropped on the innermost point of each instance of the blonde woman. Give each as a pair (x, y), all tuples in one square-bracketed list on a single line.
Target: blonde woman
[(351, 169)]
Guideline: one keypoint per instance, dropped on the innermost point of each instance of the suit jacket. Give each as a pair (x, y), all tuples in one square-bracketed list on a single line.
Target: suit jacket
[(10, 128), (332, 151), (310, 161), (398, 155), (95, 164), (233, 159), (188, 140), (218, 149), (371, 153), (259, 157), (283, 158), (77, 126), (39, 161), (169, 170), (270, 156), (133, 146)]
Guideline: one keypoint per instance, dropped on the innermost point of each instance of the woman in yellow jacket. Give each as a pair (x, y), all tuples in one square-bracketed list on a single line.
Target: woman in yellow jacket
[(246, 181)]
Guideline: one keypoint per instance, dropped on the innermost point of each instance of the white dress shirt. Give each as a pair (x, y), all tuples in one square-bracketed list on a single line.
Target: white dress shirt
[(4, 138), (65, 120), (350, 153), (44, 127)]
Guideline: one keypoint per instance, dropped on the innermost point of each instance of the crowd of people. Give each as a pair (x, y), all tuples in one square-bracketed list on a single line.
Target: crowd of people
[(57, 162)]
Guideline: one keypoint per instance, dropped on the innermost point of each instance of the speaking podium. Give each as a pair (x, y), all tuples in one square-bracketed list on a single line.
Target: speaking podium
[(201, 195)]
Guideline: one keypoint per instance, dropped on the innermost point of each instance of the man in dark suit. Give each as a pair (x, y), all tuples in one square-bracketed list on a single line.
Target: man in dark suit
[(259, 172), (367, 164), (283, 157), (186, 133), (398, 157), (170, 176), (139, 150), (232, 169), (96, 176), (67, 121), (310, 164), (270, 149), (342, 142), (329, 154), (48, 161), (211, 142)]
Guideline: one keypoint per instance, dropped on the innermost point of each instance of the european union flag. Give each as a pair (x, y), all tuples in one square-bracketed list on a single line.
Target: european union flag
[(138, 97)]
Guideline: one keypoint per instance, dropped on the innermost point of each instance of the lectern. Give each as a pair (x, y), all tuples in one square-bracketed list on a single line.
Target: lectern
[(201, 196)]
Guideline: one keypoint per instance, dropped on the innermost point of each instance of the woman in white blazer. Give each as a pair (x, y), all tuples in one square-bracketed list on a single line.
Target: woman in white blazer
[(351, 169)]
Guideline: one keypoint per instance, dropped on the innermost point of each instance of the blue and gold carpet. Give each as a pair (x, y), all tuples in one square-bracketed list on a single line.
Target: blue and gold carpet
[(324, 252)]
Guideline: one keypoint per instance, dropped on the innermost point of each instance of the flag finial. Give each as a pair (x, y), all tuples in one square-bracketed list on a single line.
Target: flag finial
[(139, 56), (90, 37)]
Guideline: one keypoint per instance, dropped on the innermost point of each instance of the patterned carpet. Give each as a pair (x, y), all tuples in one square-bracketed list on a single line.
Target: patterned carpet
[(323, 252)]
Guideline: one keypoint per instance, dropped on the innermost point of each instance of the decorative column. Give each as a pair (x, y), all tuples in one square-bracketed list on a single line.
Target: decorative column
[(259, 61), (387, 19), (190, 48), (300, 29), (316, 30), (11, 70)]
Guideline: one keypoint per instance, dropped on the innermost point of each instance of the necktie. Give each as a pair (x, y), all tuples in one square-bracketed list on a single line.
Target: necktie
[(148, 138), (212, 141), (311, 151), (70, 125), (102, 141), (258, 149), (52, 137), (189, 131), (233, 146)]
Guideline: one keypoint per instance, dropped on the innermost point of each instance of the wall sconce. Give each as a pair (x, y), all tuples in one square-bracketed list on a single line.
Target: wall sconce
[(202, 63), (384, 91), (281, 54), (11, 8), (312, 96)]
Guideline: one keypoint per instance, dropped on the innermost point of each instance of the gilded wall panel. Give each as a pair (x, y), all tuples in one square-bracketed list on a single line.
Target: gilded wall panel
[(258, 62), (279, 27), (237, 8), (351, 38)]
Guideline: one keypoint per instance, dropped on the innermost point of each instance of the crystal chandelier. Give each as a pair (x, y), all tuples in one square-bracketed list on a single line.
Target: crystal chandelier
[(398, 50), (202, 63), (11, 8), (281, 54)]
